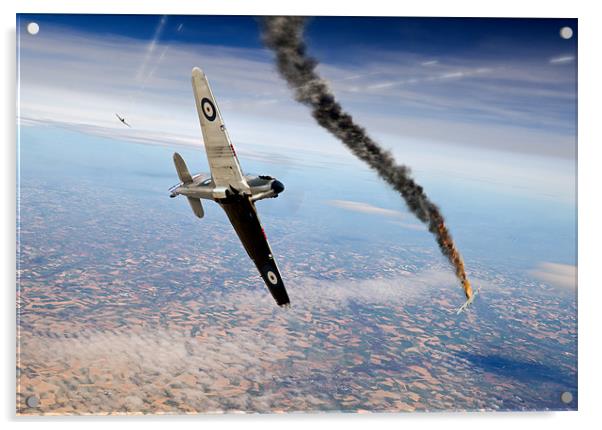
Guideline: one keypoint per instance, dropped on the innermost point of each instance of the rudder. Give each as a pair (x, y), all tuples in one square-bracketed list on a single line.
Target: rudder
[(181, 168)]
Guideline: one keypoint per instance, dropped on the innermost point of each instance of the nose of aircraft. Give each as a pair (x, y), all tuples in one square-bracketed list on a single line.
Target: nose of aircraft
[(277, 186)]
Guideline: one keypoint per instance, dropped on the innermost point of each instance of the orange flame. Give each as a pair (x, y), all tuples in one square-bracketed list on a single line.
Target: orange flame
[(449, 249)]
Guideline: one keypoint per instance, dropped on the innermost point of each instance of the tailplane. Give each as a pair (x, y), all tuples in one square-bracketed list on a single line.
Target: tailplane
[(196, 206)]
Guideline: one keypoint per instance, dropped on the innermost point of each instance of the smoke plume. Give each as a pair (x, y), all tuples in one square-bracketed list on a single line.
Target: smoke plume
[(284, 35)]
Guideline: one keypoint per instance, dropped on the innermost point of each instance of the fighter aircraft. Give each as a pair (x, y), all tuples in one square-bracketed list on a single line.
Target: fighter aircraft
[(122, 120), (235, 192), (467, 303)]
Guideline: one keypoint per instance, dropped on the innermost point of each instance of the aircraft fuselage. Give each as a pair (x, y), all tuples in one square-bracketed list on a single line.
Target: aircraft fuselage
[(203, 187)]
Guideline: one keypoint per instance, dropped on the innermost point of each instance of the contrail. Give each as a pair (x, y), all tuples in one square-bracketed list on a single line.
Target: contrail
[(284, 35), (142, 76), (150, 49)]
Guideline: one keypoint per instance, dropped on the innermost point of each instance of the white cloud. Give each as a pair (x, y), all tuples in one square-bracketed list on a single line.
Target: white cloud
[(227, 364), (563, 276), (365, 208), (362, 207), (562, 59), (486, 93), (79, 81), (77, 78), (454, 74)]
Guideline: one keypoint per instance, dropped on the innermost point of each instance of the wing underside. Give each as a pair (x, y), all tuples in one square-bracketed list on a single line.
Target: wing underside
[(243, 216)]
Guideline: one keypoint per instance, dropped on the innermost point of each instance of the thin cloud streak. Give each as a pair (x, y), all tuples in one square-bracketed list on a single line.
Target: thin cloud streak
[(433, 78), (151, 48), (365, 208), (562, 60)]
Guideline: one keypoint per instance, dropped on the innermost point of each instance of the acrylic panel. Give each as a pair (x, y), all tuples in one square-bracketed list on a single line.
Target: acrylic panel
[(368, 214)]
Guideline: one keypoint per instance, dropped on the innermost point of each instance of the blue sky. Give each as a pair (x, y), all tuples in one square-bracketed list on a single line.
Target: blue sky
[(492, 100), (434, 36), (507, 72)]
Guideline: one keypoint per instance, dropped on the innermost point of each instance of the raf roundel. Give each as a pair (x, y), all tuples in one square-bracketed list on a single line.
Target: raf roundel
[(208, 109), (272, 277)]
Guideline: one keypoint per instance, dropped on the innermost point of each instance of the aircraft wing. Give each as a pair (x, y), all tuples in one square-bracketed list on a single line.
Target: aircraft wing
[(243, 216), (223, 163)]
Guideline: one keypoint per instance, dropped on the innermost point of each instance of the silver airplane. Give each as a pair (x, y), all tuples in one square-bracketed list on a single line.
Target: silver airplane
[(235, 192), (122, 120)]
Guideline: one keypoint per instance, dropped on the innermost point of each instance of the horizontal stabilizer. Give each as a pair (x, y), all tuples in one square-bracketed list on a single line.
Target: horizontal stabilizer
[(196, 206), (181, 168)]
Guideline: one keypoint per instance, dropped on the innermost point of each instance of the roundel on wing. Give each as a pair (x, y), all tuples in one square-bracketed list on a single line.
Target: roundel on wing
[(208, 109), (272, 277)]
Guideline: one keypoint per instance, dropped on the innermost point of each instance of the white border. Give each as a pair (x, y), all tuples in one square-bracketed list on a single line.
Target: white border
[(590, 26)]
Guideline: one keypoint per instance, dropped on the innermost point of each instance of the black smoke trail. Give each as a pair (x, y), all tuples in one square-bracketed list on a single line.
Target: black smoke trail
[(284, 35)]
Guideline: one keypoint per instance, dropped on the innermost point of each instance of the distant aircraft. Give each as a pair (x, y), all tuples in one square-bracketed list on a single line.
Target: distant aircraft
[(234, 192), (122, 120)]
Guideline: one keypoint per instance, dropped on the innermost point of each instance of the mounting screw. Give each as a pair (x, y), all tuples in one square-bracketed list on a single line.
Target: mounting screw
[(32, 401), (33, 28), (566, 397), (566, 32)]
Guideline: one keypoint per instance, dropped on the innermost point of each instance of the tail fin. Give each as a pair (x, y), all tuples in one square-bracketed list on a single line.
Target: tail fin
[(185, 177), (181, 168), (196, 206)]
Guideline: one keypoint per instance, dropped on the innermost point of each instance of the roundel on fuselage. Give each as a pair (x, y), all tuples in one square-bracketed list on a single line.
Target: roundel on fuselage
[(208, 109)]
